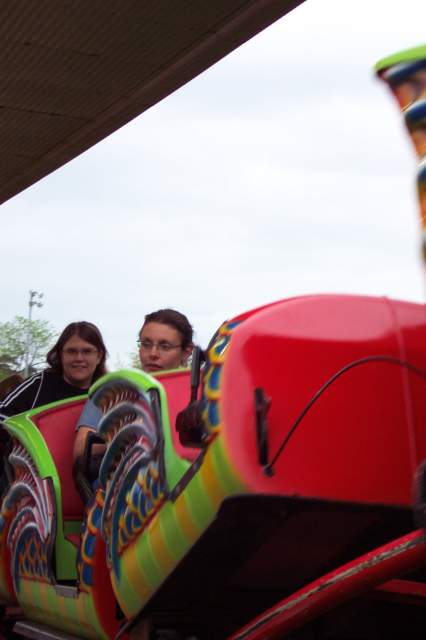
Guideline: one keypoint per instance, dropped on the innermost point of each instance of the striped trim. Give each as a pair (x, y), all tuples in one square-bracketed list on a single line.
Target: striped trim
[(37, 377)]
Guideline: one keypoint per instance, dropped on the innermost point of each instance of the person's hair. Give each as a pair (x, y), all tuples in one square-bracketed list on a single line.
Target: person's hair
[(86, 331), (9, 384), (174, 319)]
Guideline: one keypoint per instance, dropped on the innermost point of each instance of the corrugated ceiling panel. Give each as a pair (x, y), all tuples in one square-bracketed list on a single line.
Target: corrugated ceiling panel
[(73, 71)]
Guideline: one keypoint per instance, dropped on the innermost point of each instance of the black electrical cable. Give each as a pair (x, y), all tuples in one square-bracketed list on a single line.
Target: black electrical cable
[(356, 363)]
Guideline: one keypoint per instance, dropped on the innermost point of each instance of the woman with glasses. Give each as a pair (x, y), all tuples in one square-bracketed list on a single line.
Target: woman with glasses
[(165, 341), (75, 362)]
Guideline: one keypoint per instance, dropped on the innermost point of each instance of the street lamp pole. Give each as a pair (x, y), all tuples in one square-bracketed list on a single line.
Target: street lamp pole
[(32, 302)]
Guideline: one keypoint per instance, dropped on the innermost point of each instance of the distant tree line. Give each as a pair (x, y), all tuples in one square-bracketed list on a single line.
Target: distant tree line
[(20, 335)]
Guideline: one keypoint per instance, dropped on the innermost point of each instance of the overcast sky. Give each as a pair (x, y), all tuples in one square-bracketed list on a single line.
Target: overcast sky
[(282, 170)]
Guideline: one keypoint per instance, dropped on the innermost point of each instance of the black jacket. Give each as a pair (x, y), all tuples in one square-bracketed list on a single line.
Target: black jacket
[(39, 389)]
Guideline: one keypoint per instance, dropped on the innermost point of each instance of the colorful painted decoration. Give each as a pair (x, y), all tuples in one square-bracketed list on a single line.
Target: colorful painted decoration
[(170, 529), (405, 74)]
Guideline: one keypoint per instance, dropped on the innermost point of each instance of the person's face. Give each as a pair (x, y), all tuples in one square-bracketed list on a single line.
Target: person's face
[(79, 361), (161, 348)]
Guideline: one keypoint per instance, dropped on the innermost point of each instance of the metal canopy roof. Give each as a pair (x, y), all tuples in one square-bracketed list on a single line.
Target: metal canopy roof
[(74, 71)]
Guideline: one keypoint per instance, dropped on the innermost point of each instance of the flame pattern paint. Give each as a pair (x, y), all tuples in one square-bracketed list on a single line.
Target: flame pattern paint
[(405, 74), (89, 537), (28, 516), (211, 391), (131, 475)]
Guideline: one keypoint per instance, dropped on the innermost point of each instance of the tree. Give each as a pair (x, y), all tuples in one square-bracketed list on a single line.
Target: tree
[(13, 344), (135, 361)]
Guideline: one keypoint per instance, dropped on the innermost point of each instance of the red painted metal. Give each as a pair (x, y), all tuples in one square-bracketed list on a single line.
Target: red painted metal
[(408, 590), (57, 426), (177, 385), (362, 440), (343, 584), (360, 443)]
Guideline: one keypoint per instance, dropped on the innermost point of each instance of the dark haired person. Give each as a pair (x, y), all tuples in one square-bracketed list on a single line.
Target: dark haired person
[(165, 342), (75, 362), (9, 384)]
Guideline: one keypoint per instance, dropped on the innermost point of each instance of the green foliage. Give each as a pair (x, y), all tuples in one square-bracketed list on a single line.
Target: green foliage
[(135, 361), (14, 340)]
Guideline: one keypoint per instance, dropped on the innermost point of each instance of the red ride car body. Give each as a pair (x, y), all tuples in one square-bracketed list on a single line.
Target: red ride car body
[(363, 437)]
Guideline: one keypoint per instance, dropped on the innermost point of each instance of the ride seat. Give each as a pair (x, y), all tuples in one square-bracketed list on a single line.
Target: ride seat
[(57, 425), (177, 385)]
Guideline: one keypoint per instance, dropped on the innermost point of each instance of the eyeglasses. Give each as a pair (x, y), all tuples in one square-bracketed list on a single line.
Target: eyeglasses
[(86, 352), (162, 347)]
